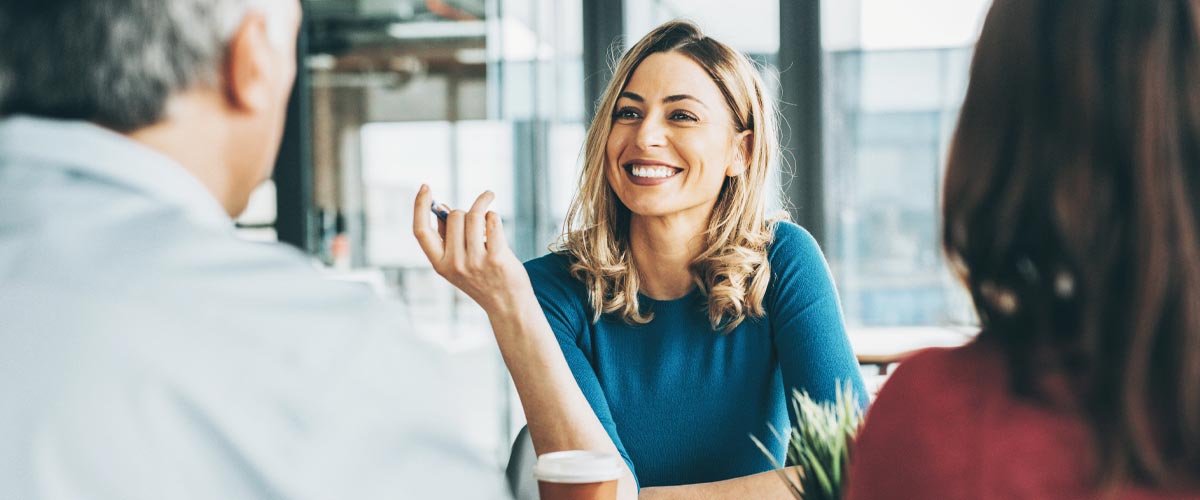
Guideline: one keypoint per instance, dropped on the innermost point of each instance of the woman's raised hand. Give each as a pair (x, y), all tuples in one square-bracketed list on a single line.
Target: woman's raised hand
[(472, 253)]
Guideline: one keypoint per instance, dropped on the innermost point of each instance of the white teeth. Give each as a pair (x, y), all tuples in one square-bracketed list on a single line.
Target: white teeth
[(652, 172)]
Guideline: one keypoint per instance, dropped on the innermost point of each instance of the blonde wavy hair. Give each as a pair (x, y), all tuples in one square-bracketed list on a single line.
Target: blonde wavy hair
[(732, 272)]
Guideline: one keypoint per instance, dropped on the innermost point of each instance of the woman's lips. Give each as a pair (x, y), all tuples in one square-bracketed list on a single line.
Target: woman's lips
[(650, 174)]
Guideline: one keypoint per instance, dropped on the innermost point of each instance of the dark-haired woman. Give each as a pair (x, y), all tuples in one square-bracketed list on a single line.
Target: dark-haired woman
[(1072, 212)]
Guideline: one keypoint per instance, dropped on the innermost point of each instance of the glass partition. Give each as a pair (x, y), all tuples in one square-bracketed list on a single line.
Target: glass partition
[(895, 73)]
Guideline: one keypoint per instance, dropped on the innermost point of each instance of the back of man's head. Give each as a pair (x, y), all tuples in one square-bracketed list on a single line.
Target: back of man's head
[(115, 62), (204, 82)]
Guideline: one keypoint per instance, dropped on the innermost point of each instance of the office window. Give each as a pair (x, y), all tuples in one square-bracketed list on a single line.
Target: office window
[(752, 27), (463, 95), (466, 96), (895, 73)]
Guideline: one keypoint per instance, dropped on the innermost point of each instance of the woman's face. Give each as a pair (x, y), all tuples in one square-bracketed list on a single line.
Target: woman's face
[(673, 140)]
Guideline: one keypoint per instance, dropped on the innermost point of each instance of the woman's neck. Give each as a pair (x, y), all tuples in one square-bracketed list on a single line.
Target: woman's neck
[(663, 249)]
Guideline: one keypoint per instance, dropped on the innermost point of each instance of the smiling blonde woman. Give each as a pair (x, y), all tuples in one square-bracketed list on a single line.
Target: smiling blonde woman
[(674, 317), (732, 267)]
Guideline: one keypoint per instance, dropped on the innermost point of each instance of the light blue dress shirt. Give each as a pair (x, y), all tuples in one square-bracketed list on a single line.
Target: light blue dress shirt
[(147, 353)]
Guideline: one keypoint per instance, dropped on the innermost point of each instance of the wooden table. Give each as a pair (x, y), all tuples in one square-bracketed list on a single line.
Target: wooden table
[(884, 346)]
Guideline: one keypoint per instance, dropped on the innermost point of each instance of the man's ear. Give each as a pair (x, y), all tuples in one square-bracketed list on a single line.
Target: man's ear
[(742, 143), (248, 79)]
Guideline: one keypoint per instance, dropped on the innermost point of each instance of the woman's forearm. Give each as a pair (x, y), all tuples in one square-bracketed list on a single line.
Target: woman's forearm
[(559, 416), (764, 485)]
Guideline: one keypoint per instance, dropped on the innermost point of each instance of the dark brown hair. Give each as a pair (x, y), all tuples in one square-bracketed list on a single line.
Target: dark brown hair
[(1071, 211)]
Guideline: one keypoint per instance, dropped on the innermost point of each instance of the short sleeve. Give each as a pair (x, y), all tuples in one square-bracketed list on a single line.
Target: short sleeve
[(562, 299), (806, 319)]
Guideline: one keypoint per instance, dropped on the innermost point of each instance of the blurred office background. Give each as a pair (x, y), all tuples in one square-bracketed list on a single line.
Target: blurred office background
[(470, 95)]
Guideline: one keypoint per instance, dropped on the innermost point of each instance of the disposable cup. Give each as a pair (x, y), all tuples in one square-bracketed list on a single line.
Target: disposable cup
[(577, 475)]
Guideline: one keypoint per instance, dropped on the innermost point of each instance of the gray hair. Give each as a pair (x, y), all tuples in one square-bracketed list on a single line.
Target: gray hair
[(115, 62)]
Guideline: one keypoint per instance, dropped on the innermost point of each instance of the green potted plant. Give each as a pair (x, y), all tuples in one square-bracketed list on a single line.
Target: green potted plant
[(819, 444)]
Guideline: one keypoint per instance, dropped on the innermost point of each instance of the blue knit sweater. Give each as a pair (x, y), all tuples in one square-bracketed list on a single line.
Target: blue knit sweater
[(681, 401)]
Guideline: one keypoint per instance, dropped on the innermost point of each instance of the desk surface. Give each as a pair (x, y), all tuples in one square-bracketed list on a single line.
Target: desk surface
[(883, 345)]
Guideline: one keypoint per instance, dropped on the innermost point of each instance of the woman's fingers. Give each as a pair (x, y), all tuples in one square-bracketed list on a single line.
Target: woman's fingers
[(431, 243), (455, 242), (470, 250), (465, 243), (475, 227), (497, 242)]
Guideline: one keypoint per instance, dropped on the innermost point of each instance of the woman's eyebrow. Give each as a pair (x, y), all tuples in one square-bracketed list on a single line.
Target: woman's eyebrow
[(666, 100), (683, 97)]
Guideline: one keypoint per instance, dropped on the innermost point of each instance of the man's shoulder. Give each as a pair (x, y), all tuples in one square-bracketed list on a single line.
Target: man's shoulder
[(132, 248)]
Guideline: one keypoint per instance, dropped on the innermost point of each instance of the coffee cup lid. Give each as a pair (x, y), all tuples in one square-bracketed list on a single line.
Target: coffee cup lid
[(577, 466)]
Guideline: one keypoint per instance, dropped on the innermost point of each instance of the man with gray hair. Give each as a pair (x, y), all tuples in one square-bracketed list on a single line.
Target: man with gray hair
[(145, 351)]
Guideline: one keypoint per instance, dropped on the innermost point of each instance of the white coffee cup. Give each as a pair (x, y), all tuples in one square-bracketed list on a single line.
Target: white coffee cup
[(577, 475)]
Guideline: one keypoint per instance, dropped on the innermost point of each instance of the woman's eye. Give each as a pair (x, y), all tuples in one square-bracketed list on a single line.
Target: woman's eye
[(680, 115), (626, 114)]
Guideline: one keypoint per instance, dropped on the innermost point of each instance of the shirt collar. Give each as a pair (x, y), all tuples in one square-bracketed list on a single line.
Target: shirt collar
[(89, 149)]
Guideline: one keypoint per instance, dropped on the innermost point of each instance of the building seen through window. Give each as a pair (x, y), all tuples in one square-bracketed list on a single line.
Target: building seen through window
[(895, 73)]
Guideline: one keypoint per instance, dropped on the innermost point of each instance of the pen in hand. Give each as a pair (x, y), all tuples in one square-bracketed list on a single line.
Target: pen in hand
[(441, 210)]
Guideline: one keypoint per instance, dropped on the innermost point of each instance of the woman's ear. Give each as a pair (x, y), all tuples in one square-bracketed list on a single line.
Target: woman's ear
[(742, 144)]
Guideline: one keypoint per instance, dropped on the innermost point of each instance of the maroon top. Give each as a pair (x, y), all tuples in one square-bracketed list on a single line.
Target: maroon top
[(945, 426)]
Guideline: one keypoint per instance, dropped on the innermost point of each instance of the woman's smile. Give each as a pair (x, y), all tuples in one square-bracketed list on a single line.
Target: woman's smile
[(672, 142), (650, 172)]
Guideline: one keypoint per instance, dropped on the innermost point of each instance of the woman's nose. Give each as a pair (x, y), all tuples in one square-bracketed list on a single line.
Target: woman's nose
[(650, 133)]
